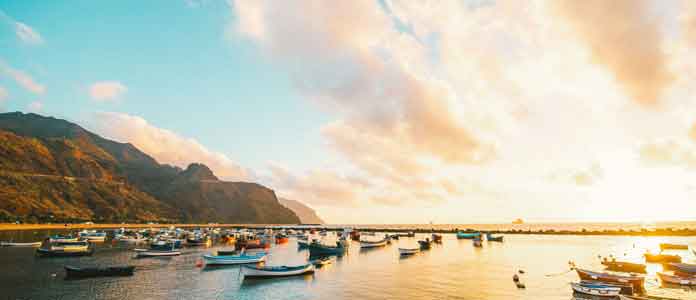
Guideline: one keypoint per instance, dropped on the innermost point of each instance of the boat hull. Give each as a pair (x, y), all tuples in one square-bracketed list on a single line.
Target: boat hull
[(233, 260), (364, 244), (595, 289), (408, 251), (41, 252), (671, 279), (155, 253), (11, 244), (636, 282), (252, 272), (76, 272)]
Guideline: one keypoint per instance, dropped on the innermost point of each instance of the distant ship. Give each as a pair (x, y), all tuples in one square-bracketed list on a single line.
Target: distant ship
[(518, 221)]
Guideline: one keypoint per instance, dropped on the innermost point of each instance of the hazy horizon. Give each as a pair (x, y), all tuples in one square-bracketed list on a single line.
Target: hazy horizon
[(385, 112)]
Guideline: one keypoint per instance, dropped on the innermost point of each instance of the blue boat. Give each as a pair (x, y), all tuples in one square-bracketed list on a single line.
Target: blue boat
[(491, 238), (279, 271), (318, 249), (234, 259), (468, 236)]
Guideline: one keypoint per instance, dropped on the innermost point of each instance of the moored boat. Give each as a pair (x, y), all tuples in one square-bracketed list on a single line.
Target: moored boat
[(636, 282), (662, 258), (93, 235), (373, 244), (281, 239), (62, 238), (425, 244), (234, 259), (408, 251), (79, 248), (622, 266), (682, 268), (673, 279), (468, 236), (595, 289), (277, 271), (668, 246), (81, 272), (155, 253), (13, 244), (437, 238), (318, 249), (491, 238)]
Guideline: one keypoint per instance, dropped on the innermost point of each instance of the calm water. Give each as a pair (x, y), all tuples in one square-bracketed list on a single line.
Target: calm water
[(453, 270)]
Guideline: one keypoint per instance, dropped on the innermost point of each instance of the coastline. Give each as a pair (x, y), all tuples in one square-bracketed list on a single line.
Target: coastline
[(375, 228)]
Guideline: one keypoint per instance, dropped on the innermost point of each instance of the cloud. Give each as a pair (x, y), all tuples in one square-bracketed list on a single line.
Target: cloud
[(104, 91), (316, 187), (27, 34), (35, 106), (625, 37), (164, 145), (23, 79)]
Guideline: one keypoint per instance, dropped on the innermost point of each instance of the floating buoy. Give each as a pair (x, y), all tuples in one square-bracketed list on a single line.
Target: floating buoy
[(521, 285), (515, 278), (199, 263), (53, 275), (521, 271)]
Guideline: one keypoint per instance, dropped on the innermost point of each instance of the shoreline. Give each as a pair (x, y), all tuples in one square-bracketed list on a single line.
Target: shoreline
[(581, 232)]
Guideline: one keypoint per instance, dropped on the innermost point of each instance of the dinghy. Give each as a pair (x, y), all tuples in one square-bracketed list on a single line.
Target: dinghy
[(492, 238), (636, 282), (93, 235), (62, 238), (425, 245), (437, 238), (408, 251), (48, 249), (667, 246), (155, 253), (318, 249), (279, 271), (468, 236), (673, 279), (77, 272), (234, 259), (662, 258), (13, 244), (373, 244), (595, 289), (682, 267)]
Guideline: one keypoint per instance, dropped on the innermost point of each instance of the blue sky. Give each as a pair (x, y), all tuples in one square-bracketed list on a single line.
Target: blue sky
[(181, 71)]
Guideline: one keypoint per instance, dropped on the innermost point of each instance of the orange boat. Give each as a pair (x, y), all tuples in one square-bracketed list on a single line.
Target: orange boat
[(252, 244), (637, 282), (281, 239)]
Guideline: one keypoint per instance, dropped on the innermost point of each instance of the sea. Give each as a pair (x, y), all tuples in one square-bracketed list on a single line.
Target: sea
[(451, 270)]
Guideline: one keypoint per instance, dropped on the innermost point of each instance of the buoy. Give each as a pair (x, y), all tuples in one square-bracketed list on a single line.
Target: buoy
[(199, 263), (53, 275), (521, 271), (520, 285), (515, 278)]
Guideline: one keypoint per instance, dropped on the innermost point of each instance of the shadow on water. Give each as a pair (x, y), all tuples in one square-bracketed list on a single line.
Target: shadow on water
[(256, 282), (209, 268)]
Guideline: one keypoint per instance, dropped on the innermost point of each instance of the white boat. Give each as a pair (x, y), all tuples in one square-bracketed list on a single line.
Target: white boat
[(408, 251), (596, 289), (234, 259), (93, 236), (153, 253), (371, 244), (12, 244), (279, 271)]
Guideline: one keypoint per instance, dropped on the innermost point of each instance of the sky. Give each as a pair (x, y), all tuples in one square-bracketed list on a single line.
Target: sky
[(474, 111)]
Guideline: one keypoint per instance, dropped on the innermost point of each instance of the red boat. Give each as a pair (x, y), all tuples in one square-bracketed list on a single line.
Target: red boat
[(355, 235), (637, 282), (252, 244), (281, 239)]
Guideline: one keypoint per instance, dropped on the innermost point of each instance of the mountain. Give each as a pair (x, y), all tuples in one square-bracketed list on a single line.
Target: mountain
[(307, 215), (52, 169)]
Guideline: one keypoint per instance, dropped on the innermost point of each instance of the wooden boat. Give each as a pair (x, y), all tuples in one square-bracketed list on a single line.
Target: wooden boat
[(437, 238), (373, 244), (492, 238), (408, 251), (155, 253), (622, 266), (318, 249), (662, 258), (595, 289), (279, 271), (682, 267), (13, 244), (198, 241), (79, 248), (673, 279), (425, 245), (77, 272), (637, 282), (93, 236), (667, 246), (234, 259), (468, 236), (62, 238)]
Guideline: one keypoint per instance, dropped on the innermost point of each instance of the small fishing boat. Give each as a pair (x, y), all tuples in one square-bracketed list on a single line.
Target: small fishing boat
[(281, 239), (93, 235), (155, 253), (62, 238), (318, 249), (636, 282), (662, 258), (426, 244), (437, 238), (622, 266), (79, 248), (408, 251), (406, 234), (595, 289), (681, 267), (78, 272), (373, 244), (13, 244), (252, 244), (667, 246), (277, 271), (234, 259), (491, 238), (468, 236), (673, 279), (198, 240)]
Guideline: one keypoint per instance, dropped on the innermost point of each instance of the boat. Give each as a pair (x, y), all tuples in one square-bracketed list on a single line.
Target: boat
[(682, 267), (622, 266), (198, 241), (281, 239), (491, 238), (79, 248), (662, 258), (425, 245), (252, 244), (595, 289), (667, 246), (636, 282), (78, 272), (355, 235), (518, 221), (408, 251), (406, 234), (437, 238), (277, 271), (234, 259), (155, 253), (318, 249), (93, 235), (468, 236), (373, 244), (674, 279), (62, 238), (13, 244), (477, 242)]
